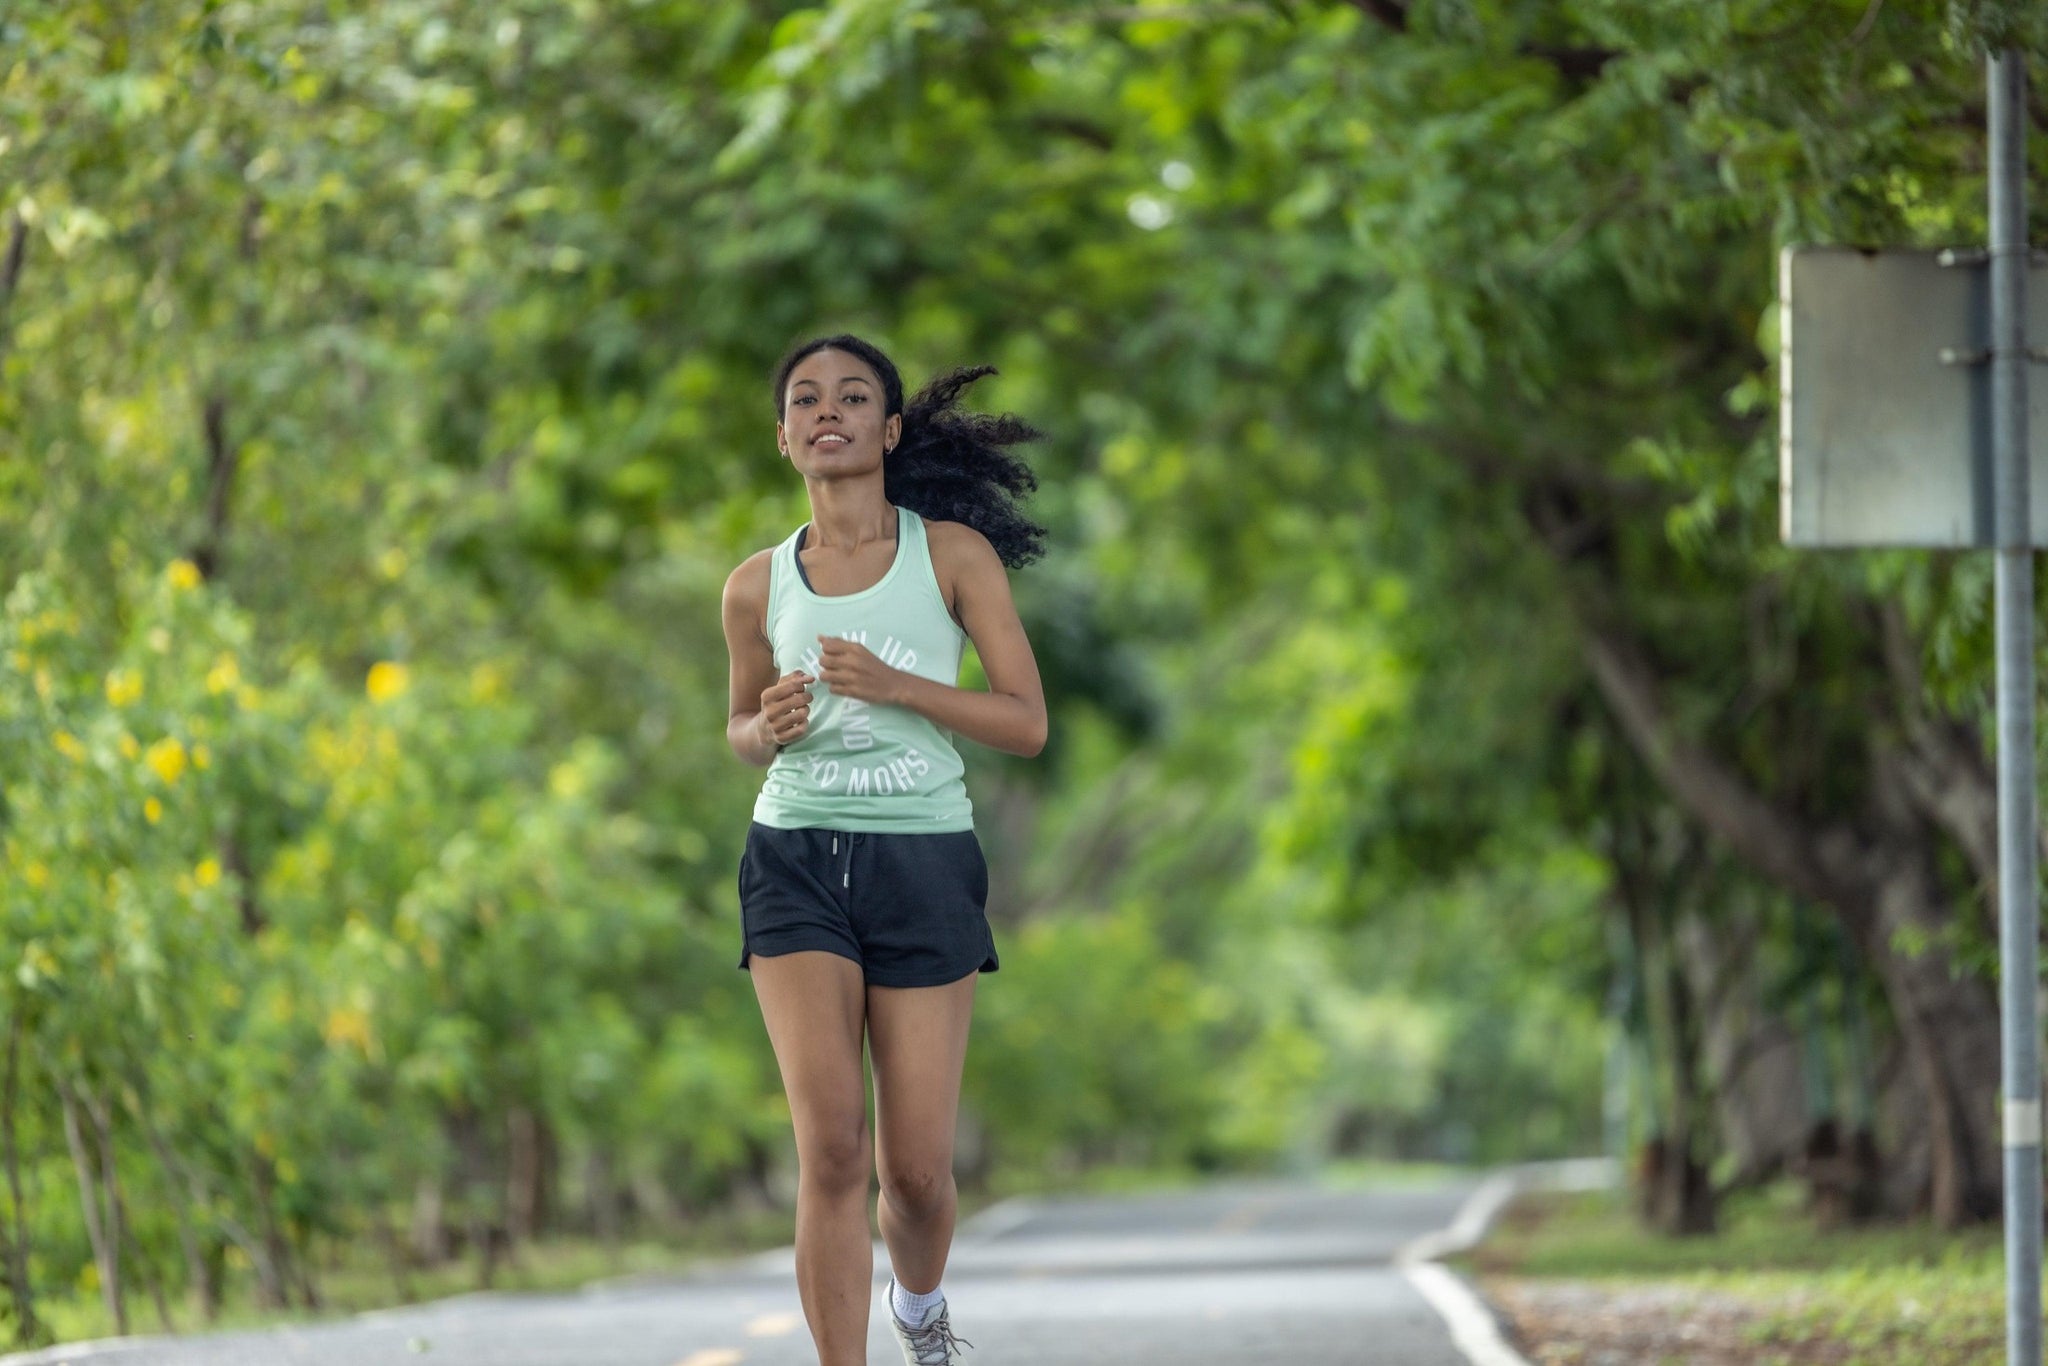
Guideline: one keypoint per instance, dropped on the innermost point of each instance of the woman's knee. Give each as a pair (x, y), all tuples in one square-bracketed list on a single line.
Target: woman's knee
[(838, 1155), (917, 1191)]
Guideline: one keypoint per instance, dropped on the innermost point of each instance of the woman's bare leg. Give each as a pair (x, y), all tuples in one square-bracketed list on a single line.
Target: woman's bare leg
[(917, 1039), (813, 1003)]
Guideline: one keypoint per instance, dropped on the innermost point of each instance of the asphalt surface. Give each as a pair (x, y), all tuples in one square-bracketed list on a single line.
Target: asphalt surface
[(1240, 1274)]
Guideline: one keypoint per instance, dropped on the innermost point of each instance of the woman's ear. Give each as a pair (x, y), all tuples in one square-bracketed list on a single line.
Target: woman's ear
[(892, 432)]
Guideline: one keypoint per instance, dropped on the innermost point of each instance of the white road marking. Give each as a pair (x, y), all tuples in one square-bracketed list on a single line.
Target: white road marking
[(773, 1326), (714, 1356), (1473, 1327), (1468, 1228)]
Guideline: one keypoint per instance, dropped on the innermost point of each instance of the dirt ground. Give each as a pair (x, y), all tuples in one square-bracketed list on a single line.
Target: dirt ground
[(1586, 1323)]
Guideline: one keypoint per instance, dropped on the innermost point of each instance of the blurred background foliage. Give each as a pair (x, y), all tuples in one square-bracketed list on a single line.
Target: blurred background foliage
[(1447, 761)]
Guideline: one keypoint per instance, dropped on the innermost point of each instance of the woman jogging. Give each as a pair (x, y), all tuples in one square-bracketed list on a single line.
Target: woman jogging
[(862, 885)]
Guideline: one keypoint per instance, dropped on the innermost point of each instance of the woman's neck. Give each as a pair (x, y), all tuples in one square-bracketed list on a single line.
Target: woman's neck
[(846, 518)]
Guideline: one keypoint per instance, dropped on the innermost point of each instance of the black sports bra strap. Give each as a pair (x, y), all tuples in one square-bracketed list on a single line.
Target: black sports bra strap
[(801, 532)]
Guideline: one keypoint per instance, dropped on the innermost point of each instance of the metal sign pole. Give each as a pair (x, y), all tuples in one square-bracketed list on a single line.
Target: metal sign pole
[(2018, 900)]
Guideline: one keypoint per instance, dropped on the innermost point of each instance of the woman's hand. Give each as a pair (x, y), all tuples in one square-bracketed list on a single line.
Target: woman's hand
[(851, 669), (786, 708)]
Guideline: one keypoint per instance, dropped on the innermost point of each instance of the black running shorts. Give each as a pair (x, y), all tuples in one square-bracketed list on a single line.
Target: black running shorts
[(908, 908)]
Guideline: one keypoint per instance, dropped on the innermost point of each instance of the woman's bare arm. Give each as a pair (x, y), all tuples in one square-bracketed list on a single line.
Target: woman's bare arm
[(752, 674)]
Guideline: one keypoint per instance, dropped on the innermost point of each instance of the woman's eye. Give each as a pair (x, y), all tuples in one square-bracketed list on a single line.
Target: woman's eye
[(856, 398)]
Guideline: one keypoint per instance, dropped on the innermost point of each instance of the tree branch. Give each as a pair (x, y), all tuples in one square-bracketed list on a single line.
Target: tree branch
[(1943, 764), (10, 275), (1777, 842), (1392, 13), (221, 460), (1581, 64)]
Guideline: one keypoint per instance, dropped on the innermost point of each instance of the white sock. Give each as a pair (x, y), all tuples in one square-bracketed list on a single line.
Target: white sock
[(913, 1309)]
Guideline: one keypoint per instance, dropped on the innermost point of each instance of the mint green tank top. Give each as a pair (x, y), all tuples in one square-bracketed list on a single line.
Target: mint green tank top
[(861, 766)]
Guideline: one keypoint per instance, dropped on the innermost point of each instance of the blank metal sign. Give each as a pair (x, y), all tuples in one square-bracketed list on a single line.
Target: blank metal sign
[(1882, 441)]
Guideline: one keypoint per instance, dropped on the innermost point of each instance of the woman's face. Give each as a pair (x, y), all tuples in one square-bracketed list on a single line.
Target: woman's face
[(833, 423)]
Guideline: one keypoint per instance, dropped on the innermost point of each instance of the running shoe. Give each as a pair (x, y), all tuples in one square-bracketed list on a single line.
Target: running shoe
[(928, 1344)]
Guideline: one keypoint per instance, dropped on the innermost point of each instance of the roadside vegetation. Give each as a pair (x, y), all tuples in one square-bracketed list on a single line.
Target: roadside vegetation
[(1448, 761), (1581, 1280)]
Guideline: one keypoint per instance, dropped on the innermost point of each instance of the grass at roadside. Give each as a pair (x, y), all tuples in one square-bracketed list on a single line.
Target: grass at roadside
[(354, 1277), (1768, 1288)]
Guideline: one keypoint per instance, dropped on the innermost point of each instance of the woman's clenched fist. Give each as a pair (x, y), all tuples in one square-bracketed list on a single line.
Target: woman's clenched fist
[(786, 708)]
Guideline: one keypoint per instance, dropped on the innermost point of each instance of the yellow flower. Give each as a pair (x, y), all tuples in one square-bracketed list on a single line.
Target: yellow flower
[(38, 875), (153, 810), (207, 873), (124, 686), (202, 757), (224, 675), (347, 1024), (68, 746), (129, 749), (386, 681), (486, 682), (167, 757), (183, 575)]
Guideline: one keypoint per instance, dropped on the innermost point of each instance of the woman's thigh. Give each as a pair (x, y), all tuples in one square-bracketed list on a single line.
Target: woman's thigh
[(815, 1005), (917, 1038)]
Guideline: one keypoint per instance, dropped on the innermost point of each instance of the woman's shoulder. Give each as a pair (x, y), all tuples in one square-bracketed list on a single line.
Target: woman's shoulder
[(955, 541), (748, 584)]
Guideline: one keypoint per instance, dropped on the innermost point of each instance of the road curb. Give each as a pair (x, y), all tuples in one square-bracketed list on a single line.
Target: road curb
[(1475, 1325)]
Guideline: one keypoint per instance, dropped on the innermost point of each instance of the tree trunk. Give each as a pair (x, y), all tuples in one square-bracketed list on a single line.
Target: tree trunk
[(603, 1196), (478, 1195), (303, 1264), (395, 1255), (1950, 1027), (523, 1172), (152, 1280), (106, 1255), (273, 1266), (430, 1221), (101, 1115), (1677, 1199), (198, 1267), (10, 276), (27, 1330), (1879, 880)]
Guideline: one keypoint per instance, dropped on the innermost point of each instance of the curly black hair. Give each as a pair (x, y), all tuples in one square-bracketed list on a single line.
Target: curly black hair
[(950, 465)]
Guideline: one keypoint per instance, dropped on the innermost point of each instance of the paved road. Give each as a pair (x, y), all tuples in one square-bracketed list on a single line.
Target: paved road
[(1241, 1274)]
